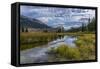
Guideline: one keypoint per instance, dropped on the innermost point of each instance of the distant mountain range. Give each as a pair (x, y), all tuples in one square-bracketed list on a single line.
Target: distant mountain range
[(32, 23)]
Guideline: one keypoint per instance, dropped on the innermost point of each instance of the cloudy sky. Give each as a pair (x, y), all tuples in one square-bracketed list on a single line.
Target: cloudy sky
[(52, 16)]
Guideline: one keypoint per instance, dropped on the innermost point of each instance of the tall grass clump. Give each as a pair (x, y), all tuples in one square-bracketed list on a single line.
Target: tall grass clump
[(65, 52)]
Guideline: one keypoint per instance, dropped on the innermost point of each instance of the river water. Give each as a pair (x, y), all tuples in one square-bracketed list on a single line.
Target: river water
[(38, 54)]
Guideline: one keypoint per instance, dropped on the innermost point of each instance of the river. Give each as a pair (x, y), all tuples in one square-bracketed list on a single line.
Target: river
[(38, 54)]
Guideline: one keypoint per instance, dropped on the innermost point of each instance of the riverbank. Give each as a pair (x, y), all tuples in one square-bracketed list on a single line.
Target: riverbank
[(33, 39)]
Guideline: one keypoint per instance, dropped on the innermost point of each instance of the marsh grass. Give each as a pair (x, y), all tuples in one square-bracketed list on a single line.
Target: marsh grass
[(84, 50)]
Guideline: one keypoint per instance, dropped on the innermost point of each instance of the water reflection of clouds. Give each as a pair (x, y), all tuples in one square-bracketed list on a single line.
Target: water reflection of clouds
[(66, 40)]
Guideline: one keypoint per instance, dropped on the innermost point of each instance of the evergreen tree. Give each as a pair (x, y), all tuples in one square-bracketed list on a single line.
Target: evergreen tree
[(83, 27), (91, 25), (22, 29), (26, 30)]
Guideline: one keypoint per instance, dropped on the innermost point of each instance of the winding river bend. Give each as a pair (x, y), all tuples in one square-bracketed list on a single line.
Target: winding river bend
[(38, 54)]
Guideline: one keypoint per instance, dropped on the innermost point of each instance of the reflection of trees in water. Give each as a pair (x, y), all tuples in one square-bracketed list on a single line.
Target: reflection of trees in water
[(60, 36)]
